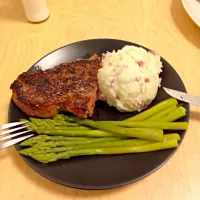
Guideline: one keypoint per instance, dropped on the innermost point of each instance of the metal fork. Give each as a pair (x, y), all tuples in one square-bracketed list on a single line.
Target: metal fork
[(10, 129)]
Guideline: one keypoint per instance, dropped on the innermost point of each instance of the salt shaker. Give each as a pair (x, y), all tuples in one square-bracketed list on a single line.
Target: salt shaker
[(35, 10)]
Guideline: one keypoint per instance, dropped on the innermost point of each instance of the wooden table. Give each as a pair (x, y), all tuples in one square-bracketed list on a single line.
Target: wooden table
[(157, 24)]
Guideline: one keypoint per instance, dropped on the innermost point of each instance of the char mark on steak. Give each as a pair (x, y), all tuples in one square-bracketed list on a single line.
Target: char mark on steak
[(70, 87)]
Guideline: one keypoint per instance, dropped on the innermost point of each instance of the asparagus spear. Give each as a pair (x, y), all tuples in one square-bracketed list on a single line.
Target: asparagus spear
[(75, 133), (43, 138), (69, 128), (157, 117), (32, 126), (141, 133), (178, 113), (171, 136), (75, 142), (148, 134), (146, 124), (50, 122), (130, 142), (59, 117), (51, 157), (154, 110)]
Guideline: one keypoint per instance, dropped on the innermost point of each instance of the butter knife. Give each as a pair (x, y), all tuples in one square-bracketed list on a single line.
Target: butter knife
[(183, 96)]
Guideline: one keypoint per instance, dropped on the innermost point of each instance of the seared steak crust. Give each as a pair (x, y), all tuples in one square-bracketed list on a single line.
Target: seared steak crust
[(70, 87)]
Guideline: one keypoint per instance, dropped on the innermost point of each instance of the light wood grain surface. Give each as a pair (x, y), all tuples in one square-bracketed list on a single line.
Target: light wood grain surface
[(162, 25)]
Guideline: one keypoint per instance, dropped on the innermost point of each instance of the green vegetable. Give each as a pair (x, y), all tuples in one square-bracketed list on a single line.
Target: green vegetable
[(154, 125), (75, 133), (157, 117), (106, 130), (59, 117), (154, 110), (50, 122), (176, 114), (68, 136), (171, 136), (73, 142), (51, 157), (43, 138), (48, 129), (131, 142), (141, 133)]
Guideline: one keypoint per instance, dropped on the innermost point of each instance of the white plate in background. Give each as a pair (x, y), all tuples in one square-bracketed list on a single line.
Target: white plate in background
[(192, 7)]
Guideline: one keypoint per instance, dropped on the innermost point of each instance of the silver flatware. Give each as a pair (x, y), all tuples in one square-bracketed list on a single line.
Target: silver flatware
[(11, 128), (183, 96)]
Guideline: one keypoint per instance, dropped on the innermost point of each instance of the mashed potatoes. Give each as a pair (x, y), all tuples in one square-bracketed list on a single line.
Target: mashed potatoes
[(129, 78)]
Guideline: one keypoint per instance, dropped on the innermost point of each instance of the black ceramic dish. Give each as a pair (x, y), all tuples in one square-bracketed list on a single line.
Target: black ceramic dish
[(102, 172)]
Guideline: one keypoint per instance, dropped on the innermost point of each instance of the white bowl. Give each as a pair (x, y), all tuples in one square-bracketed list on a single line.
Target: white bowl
[(192, 7)]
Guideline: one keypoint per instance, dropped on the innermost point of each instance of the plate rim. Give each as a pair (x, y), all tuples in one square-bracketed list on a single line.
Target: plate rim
[(117, 185), (94, 39)]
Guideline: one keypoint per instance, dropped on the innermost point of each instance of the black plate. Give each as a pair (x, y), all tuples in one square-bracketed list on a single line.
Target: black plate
[(102, 172)]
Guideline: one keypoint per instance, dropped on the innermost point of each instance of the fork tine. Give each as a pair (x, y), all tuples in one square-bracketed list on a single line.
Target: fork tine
[(12, 130), (14, 135), (11, 142), (9, 125)]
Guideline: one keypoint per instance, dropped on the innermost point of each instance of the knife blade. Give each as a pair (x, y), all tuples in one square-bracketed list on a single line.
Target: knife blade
[(182, 96)]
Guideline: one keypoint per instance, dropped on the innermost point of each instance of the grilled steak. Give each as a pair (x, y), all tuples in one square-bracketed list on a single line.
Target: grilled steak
[(70, 87)]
